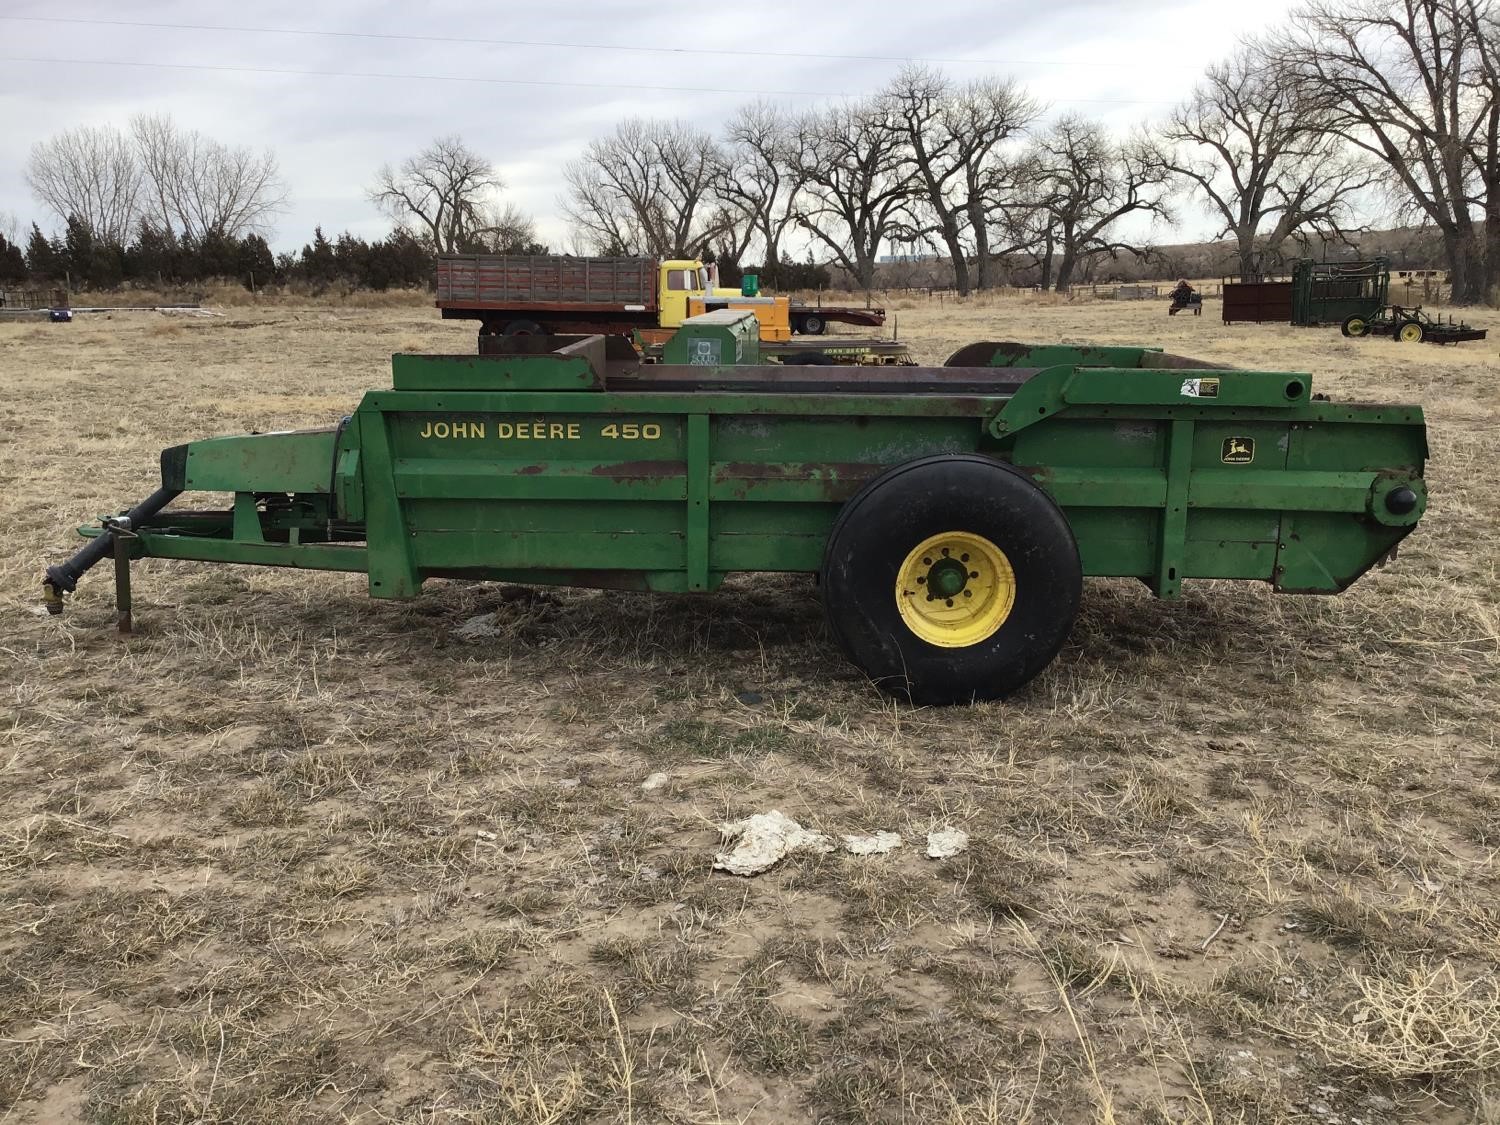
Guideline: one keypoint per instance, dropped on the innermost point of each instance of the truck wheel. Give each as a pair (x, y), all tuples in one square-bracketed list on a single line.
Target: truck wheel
[(813, 325), (1354, 326), (951, 579), (524, 328), (1411, 332)]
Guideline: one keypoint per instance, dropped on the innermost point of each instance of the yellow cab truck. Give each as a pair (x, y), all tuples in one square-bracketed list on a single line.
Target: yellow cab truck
[(519, 294)]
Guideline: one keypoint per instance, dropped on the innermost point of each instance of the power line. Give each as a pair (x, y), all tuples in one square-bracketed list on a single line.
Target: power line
[(489, 81), (420, 77), (470, 40)]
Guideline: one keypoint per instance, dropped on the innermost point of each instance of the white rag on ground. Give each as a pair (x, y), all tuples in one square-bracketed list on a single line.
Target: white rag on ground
[(877, 844), (759, 842), (946, 842), (763, 840)]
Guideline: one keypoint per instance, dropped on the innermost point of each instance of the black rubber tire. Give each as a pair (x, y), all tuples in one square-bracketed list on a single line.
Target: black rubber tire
[(524, 328), (812, 324), (1402, 327), (807, 359), (899, 509), (1351, 323)]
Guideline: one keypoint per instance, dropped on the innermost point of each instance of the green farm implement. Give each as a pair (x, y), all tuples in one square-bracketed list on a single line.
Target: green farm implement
[(950, 513), (1410, 325)]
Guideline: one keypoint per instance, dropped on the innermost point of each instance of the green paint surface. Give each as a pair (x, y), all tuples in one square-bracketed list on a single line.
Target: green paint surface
[(525, 468)]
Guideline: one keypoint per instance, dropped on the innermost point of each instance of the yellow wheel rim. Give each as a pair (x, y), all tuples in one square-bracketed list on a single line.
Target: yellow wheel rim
[(1411, 332), (1356, 328), (955, 589)]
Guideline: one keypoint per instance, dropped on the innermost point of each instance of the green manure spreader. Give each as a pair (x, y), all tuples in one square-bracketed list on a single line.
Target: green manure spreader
[(950, 513)]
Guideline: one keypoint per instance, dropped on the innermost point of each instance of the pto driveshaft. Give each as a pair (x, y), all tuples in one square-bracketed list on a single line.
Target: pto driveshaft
[(63, 578)]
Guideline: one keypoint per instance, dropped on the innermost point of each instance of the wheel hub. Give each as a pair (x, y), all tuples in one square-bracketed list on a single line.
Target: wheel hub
[(955, 589), (946, 579)]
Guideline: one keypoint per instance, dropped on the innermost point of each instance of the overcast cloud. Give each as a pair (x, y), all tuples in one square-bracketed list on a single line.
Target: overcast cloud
[(1122, 62)]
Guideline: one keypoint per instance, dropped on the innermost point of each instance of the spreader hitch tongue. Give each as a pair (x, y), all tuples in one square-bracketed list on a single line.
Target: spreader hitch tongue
[(63, 578)]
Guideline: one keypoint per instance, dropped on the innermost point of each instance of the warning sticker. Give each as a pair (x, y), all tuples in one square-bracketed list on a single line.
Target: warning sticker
[(1200, 388), (1238, 451)]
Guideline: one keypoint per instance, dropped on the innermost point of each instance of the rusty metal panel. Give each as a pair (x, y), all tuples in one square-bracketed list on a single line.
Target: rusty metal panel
[(1258, 301), (518, 280)]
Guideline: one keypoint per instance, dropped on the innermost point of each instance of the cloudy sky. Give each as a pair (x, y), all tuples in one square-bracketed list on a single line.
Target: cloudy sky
[(337, 88)]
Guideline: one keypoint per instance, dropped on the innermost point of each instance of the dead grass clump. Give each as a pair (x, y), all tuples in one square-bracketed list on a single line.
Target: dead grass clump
[(1146, 801), (488, 948), (1418, 1023), (1004, 881), (759, 1031), (224, 1069), (1343, 917), (935, 1068), (1079, 963), (765, 1037), (266, 805), (559, 1054), (338, 879), (648, 968), (679, 740), (124, 928)]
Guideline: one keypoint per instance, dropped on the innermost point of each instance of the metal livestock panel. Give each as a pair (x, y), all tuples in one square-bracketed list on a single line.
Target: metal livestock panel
[(1258, 301), (1329, 292)]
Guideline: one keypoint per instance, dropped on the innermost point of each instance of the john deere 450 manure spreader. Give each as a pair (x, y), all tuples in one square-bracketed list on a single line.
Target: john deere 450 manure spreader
[(951, 513)]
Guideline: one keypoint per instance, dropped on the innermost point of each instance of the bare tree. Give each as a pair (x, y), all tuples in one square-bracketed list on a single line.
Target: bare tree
[(1019, 222), (646, 189), (857, 182), (953, 136), (1086, 184), (1485, 149), (89, 173), (446, 196), (603, 221), (1412, 82), (508, 230), (760, 181), (732, 236), (1258, 152), (197, 187)]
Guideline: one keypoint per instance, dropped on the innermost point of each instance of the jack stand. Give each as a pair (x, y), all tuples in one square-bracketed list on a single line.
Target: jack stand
[(122, 534)]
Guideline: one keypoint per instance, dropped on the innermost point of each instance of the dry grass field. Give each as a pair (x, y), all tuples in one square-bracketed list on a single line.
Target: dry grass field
[(290, 854)]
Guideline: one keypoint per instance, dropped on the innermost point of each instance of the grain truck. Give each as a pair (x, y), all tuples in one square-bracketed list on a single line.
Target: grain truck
[(520, 294)]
